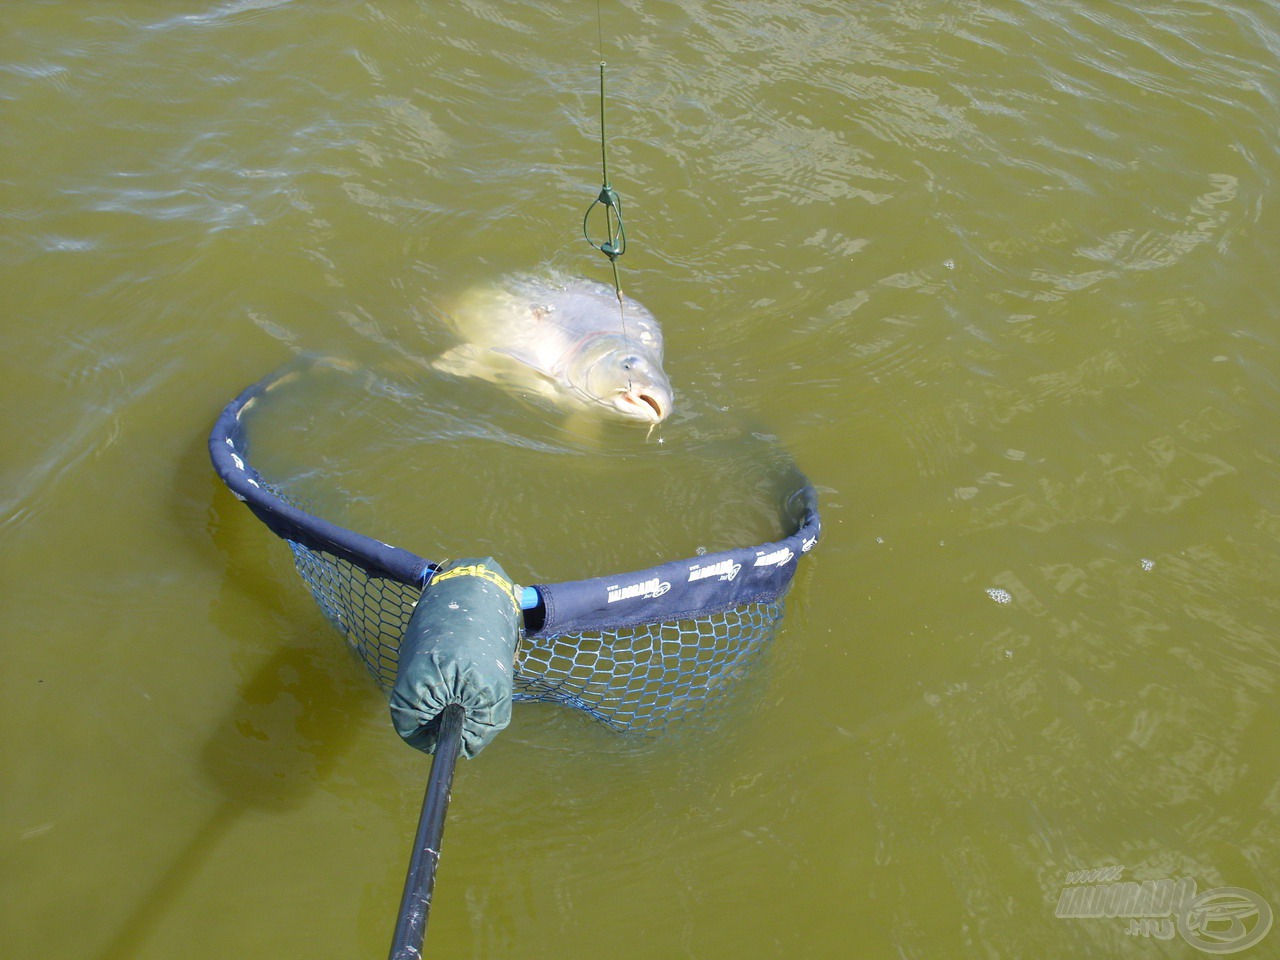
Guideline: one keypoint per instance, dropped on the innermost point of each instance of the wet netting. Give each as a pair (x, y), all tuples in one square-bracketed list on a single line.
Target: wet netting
[(633, 650)]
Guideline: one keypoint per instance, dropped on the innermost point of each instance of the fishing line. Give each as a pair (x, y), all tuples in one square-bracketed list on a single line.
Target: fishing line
[(615, 244)]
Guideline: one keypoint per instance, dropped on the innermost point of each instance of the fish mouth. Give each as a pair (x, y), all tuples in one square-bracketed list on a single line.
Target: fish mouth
[(645, 405)]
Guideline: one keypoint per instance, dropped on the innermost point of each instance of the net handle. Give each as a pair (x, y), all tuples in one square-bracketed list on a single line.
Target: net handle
[(420, 879)]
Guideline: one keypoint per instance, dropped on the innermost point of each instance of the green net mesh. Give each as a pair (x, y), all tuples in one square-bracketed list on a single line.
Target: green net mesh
[(634, 678)]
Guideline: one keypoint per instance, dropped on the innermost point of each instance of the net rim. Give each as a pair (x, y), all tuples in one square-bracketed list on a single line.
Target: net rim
[(673, 590)]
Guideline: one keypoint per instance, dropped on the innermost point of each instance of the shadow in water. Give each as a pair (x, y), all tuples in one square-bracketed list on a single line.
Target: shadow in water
[(290, 721)]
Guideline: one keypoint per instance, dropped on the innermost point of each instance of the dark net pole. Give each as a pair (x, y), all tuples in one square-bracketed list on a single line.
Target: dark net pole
[(415, 904)]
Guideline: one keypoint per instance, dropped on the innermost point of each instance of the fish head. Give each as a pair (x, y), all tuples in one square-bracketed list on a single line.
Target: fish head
[(626, 379)]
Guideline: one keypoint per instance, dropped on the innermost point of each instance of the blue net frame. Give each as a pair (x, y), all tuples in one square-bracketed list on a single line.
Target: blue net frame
[(634, 650)]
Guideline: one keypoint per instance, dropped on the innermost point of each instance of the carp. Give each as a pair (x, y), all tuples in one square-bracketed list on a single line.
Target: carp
[(567, 340)]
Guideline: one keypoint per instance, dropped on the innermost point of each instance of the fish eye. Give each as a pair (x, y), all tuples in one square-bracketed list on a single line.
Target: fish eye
[(629, 362)]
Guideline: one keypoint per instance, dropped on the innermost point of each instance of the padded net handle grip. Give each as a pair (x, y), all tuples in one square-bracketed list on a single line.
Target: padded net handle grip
[(459, 647)]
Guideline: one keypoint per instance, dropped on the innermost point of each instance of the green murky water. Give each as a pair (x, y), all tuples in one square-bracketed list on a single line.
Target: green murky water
[(1000, 276)]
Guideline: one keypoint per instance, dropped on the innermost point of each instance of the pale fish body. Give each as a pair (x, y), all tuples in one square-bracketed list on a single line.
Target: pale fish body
[(564, 339)]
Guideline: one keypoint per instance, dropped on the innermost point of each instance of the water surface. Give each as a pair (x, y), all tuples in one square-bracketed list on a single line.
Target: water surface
[(998, 276)]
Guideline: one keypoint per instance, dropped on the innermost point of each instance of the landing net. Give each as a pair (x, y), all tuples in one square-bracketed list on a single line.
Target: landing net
[(633, 650)]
